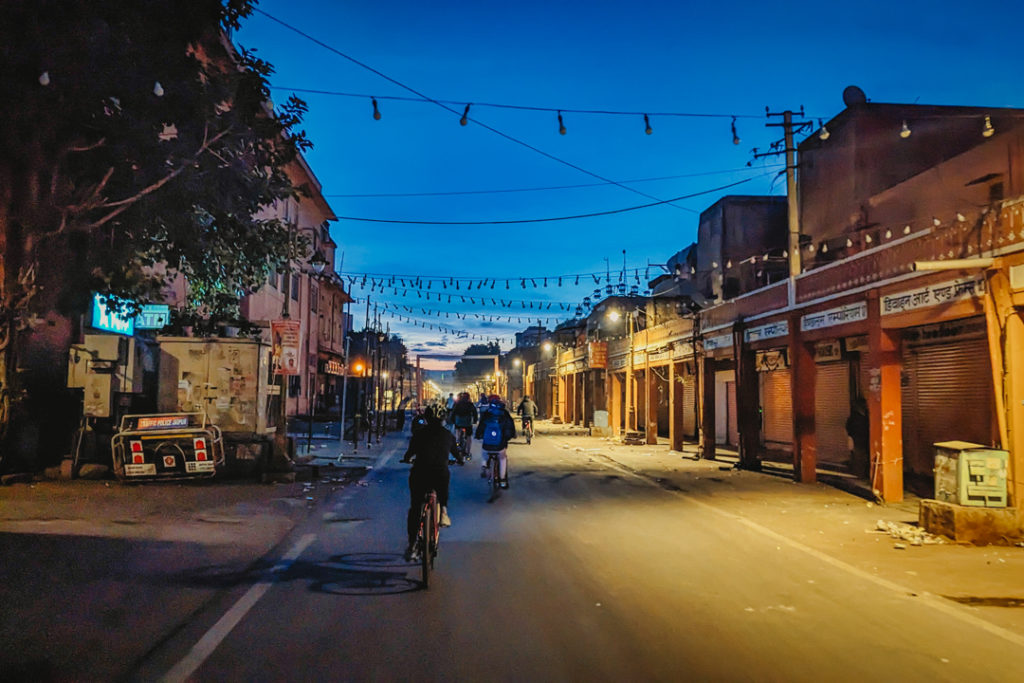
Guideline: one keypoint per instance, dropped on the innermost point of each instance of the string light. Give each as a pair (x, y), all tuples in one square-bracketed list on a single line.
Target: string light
[(158, 89), (888, 234), (849, 243), (987, 130), (905, 130), (735, 135), (824, 247), (376, 111), (906, 229), (44, 78), (561, 125), (647, 125), (465, 116)]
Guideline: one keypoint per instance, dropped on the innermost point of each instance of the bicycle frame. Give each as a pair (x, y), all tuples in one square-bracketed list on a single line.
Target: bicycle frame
[(429, 536)]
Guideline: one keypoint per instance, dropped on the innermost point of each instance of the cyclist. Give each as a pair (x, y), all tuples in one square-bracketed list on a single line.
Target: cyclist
[(428, 451), (462, 417), (495, 430), (528, 410)]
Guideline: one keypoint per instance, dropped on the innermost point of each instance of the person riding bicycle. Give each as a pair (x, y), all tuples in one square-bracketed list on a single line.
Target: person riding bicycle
[(528, 410), (496, 429), (463, 415), (429, 448)]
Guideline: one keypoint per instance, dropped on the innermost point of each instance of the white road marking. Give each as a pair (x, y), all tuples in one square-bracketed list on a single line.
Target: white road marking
[(932, 601), (201, 651), (209, 642)]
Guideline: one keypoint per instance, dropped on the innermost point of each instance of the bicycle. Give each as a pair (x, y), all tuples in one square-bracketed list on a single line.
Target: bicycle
[(528, 429), (462, 441), (494, 479), (428, 537)]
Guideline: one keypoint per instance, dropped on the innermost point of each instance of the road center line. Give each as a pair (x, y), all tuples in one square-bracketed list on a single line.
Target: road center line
[(928, 599), (209, 642)]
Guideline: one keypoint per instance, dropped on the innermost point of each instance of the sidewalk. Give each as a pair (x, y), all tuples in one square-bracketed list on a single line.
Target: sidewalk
[(876, 540)]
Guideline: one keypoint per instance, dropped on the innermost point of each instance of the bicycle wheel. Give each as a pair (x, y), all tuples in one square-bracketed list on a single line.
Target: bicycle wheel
[(495, 476), (425, 544)]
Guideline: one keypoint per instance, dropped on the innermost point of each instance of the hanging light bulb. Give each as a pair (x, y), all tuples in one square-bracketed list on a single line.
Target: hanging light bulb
[(735, 135), (823, 134), (888, 234), (728, 264), (936, 222), (158, 89), (905, 130), (44, 78), (465, 114), (647, 125), (824, 247), (810, 248), (987, 130), (960, 217), (867, 239), (849, 242), (376, 111), (561, 124), (906, 229)]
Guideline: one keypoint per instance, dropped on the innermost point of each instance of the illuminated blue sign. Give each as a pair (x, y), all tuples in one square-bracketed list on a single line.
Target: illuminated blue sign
[(153, 317), (103, 319)]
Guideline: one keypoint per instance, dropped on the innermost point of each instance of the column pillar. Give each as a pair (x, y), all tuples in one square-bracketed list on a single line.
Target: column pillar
[(802, 374), (651, 414), (615, 403), (885, 407), (707, 407), (747, 402)]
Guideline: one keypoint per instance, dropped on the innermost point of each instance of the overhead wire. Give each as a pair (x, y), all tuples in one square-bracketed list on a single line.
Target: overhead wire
[(454, 111), (538, 189), (549, 219)]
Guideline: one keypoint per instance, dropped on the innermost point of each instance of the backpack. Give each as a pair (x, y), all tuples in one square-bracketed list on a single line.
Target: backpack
[(463, 420), (492, 440)]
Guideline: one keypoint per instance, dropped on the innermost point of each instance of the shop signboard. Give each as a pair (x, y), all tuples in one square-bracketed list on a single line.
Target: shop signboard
[(932, 295), (110, 321), (834, 316), (722, 341), (779, 328)]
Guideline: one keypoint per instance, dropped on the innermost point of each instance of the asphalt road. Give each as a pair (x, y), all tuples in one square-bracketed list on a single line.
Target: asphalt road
[(583, 570)]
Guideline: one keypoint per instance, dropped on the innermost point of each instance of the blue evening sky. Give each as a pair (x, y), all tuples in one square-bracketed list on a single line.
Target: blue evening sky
[(718, 58)]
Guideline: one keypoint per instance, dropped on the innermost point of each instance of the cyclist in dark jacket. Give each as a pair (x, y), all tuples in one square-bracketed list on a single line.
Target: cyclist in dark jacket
[(463, 415), (428, 451)]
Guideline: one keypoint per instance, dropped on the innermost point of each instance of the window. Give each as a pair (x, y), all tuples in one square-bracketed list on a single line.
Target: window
[(295, 287), (314, 297), (294, 385)]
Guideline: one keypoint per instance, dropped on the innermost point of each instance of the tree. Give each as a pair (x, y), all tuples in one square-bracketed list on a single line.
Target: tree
[(136, 145)]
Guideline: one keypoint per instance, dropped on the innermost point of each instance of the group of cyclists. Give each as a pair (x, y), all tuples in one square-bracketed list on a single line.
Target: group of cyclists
[(445, 430)]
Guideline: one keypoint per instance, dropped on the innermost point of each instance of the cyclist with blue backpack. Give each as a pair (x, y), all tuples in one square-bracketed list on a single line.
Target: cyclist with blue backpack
[(495, 430)]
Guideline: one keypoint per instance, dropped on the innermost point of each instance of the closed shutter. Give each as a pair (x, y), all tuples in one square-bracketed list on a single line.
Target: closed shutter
[(949, 397), (831, 410), (689, 399), (734, 426), (777, 403)]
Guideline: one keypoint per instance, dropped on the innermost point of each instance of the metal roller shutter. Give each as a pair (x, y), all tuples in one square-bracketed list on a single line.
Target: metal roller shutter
[(831, 410), (948, 396), (734, 428), (777, 403), (689, 399)]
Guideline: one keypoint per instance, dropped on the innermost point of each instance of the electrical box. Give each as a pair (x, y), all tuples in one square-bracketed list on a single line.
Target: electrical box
[(970, 474), (225, 379), (106, 364)]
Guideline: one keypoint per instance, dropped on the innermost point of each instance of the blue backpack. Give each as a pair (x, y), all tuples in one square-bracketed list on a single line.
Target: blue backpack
[(492, 440)]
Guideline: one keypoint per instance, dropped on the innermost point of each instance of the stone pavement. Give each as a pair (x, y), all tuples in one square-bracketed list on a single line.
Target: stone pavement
[(877, 540)]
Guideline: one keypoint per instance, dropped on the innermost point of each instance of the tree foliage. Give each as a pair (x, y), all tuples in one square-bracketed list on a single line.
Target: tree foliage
[(136, 145), (142, 144)]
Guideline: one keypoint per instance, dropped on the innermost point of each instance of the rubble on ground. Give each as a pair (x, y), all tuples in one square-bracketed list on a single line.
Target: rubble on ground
[(908, 532)]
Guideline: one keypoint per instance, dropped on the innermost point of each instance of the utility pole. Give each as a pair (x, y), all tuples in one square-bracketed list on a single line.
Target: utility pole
[(789, 126)]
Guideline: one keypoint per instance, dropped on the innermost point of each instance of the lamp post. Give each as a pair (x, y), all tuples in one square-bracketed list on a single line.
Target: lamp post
[(518, 362)]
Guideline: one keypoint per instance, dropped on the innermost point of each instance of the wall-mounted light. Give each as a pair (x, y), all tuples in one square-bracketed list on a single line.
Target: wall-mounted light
[(987, 130)]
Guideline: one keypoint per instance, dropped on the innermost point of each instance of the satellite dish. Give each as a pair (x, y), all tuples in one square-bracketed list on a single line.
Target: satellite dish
[(853, 95)]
